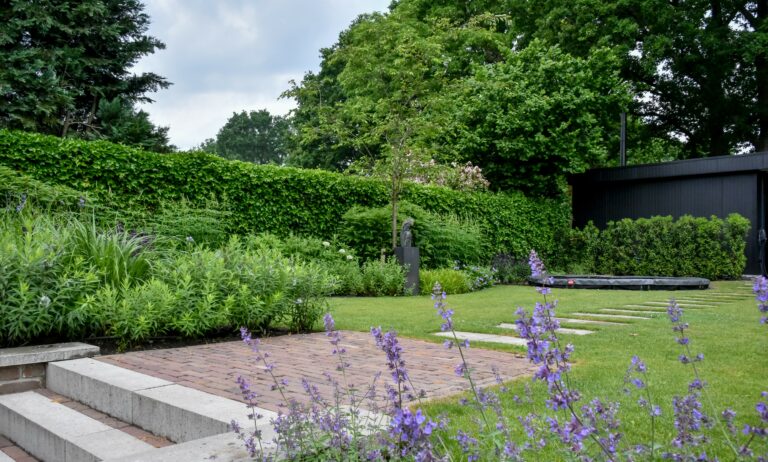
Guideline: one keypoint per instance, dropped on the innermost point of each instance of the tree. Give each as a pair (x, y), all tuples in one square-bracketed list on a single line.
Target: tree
[(60, 58), (120, 122), (429, 77), (255, 136), (699, 68)]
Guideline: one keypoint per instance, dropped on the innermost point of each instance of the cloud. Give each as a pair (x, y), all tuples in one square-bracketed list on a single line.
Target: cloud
[(226, 56)]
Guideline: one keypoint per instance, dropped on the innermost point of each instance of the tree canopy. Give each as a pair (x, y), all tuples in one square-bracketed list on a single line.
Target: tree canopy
[(530, 91), (60, 59), (255, 136)]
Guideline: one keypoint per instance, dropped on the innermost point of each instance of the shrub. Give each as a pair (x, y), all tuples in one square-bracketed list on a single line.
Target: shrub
[(383, 278), (480, 277), (441, 240), (17, 189), (60, 278), (660, 246), (263, 198), (453, 281), (509, 269)]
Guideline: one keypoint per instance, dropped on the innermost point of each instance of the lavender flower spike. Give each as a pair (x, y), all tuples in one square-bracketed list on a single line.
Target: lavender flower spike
[(761, 295)]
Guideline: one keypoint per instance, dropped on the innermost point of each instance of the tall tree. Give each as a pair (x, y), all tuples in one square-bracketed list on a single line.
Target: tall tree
[(698, 68), (255, 136), (428, 78), (60, 58), (120, 122)]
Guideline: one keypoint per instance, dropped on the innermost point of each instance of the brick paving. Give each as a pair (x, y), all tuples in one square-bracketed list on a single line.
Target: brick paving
[(213, 368)]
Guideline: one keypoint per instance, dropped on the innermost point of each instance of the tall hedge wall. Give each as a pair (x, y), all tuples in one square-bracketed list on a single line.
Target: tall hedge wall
[(262, 198)]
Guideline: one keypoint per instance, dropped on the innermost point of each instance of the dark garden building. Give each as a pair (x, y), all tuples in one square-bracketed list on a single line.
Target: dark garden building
[(699, 187)]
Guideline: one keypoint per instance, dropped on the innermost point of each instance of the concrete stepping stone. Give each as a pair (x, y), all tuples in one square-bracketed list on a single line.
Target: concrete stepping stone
[(647, 307), (610, 316), (589, 321), (561, 330), (618, 310), (491, 338), (53, 432), (690, 305)]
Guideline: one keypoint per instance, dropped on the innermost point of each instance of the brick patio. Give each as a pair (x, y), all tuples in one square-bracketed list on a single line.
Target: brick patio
[(214, 367)]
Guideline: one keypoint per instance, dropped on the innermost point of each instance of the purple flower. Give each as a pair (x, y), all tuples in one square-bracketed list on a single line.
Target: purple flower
[(761, 295)]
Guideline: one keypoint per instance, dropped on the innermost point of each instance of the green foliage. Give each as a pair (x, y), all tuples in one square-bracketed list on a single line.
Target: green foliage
[(121, 123), (452, 281), (707, 77), (511, 270), (448, 80), (38, 194), (383, 278), (59, 58), (660, 246), (62, 279), (441, 241), (255, 136), (272, 199)]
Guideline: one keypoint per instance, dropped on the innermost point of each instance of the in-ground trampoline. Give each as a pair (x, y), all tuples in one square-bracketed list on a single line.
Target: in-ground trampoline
[(621, 282)]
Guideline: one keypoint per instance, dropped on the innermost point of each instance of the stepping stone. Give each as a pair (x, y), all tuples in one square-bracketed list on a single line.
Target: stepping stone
[(646, 307), (589, 321), (690, 305), (700, 300), (614, 310), (562, 330), (491, 338), (610, 316)]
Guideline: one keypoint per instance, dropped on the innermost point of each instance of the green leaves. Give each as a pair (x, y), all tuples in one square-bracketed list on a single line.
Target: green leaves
[(253, 198)]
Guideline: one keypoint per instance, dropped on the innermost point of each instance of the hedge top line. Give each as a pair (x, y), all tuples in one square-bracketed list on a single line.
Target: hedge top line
[(270, 198)]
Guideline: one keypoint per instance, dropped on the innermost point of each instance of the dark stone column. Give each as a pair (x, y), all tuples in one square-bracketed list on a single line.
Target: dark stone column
[(409, 257)]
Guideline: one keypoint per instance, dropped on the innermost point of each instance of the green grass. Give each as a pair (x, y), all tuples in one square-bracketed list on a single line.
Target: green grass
[(730, 336)]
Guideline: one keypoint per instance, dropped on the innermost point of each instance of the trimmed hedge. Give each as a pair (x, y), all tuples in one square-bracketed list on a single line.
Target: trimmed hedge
[(264, 198), (660, 246)]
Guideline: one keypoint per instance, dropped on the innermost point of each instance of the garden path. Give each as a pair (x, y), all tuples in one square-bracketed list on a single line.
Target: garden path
[(618, 316), (214, 368)]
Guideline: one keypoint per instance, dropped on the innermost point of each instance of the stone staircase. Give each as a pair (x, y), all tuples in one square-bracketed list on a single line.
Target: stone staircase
[(50, 430)]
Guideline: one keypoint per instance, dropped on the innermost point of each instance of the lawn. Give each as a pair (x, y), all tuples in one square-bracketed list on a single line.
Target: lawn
[(733, 342)]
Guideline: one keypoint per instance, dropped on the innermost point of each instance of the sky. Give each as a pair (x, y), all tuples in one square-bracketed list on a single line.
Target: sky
[(226, 56)]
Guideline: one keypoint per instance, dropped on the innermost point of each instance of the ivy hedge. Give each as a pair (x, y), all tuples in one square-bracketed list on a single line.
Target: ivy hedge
[(264, 198)]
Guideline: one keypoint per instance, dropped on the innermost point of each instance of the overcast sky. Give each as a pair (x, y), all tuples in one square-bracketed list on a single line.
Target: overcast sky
[(225, 56)]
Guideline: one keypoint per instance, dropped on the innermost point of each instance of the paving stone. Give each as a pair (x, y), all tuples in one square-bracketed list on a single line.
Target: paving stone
[(589, 321), (491, 338), (654, 308), (430, 366), (610, 316), (561, 330), (643, 312), (684, 305)]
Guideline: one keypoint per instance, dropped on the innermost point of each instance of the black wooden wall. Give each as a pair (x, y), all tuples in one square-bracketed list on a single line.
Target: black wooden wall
[(702, 187)]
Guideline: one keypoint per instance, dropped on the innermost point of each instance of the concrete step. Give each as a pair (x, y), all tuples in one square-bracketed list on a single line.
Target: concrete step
[(166, 409), (53, 432), (5, 457), (218, 448)]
